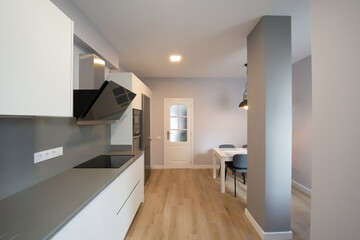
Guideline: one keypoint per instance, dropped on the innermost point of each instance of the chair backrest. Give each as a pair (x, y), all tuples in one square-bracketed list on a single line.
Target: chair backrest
[(240, 160), (226, 146), (244, 146)]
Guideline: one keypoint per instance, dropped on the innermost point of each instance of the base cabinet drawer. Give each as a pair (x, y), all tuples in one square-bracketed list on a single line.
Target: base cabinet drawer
[(110, 214), (123, 185), (127, 213)]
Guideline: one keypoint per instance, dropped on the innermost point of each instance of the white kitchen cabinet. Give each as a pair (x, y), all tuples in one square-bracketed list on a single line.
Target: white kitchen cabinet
[(36, 48), (110, 214), (121, 130)]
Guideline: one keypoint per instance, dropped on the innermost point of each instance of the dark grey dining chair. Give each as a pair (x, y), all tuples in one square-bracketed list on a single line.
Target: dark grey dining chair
[(225, 146), (239, 164)]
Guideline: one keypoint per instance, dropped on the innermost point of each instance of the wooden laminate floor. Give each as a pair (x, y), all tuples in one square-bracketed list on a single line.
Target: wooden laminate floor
[(187, 204)]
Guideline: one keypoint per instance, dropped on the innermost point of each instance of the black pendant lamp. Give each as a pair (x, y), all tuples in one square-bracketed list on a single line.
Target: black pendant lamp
[(244, 103)]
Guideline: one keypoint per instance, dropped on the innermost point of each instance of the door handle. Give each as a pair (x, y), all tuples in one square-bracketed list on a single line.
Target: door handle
[(168, 135)]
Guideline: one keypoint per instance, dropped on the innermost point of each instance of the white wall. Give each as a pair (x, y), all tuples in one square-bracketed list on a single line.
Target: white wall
[(335, 211), (302, 120), (217, 118)]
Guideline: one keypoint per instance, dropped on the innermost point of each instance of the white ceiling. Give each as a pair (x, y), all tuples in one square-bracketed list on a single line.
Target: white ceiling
[(210, 35)]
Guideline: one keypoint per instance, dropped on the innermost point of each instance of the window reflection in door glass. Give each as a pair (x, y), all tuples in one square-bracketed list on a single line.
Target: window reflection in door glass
[(174, 110), (178, 123), (174, 123), (174, 135), (183, 136), (182, 123), (182, 110)]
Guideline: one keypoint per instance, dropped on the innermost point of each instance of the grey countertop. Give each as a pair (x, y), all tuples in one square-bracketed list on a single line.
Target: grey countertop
[(41, 210)]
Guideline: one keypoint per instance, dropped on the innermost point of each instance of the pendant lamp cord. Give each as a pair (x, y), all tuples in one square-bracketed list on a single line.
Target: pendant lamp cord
[(245, 93)]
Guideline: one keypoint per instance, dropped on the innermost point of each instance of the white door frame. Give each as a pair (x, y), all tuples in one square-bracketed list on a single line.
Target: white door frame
[(190, 130)]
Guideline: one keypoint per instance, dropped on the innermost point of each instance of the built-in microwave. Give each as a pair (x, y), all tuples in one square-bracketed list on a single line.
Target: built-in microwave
[(136, 122)]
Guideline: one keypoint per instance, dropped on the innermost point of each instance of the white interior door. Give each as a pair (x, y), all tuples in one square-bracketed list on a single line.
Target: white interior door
[(178, 129)]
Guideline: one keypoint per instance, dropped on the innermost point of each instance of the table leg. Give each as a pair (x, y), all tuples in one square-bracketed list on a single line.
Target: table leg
[(222, 175), (214, 166)]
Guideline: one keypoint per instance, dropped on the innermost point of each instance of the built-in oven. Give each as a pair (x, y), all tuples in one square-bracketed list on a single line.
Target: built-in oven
[(136, 129), (136, 122)]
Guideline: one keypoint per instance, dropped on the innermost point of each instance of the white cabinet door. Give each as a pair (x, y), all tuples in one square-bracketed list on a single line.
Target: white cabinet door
[(110, 214), (128, 207), (126, 215), (178, 126), (121, 130), (36, 47), (139, 88), (91, 223)]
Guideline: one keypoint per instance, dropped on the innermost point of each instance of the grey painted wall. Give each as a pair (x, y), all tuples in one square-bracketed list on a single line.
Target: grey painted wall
[(335, 211), (87, 32), (302, 122), (20, 138), (217, 118), (270, 123)]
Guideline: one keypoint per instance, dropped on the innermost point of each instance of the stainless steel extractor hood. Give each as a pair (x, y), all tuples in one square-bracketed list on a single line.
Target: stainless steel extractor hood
[(91, 71)]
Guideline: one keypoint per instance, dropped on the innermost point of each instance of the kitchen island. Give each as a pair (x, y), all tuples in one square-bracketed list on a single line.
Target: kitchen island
[(40, 211)]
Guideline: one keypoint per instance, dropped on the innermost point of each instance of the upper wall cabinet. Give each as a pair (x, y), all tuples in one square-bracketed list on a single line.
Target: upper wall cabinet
[(36, 48), (133, 83), (121, 131)]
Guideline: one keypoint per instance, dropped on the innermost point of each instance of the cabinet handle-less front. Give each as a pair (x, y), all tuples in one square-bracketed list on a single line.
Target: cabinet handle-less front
[(127, 198)]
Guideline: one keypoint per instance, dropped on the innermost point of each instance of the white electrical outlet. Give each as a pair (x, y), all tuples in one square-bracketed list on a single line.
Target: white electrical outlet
[(48, 154)]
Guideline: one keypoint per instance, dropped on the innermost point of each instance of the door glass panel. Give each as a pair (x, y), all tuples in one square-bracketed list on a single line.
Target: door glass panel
[(183, 136), (174, 123), (178, 123), (182, 110), (182, 123), (174, 110), (174, 135)]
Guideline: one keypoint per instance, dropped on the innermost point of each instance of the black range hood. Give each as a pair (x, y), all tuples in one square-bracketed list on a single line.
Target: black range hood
[(107, 103)]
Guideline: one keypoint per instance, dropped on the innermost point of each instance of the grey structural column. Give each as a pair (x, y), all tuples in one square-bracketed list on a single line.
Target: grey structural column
[(270, 127)]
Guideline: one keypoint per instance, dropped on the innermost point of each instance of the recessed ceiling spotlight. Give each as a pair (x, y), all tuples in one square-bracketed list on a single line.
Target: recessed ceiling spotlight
[(175, 58)]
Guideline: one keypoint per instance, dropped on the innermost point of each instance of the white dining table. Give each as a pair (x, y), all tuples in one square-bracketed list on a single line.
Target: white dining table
[(224, 155)]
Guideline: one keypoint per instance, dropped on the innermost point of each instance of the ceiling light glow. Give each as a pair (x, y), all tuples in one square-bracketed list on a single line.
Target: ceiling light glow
[(175, 58)]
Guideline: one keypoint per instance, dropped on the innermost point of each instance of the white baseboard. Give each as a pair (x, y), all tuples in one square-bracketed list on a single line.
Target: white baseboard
[(268, 235), (254, 223), (278, 235), (193, 167), (301, 187), (202, 166), (157, 167)]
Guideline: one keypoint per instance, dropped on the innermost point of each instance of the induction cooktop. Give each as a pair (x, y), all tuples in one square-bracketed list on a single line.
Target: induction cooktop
[(106, 161)]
